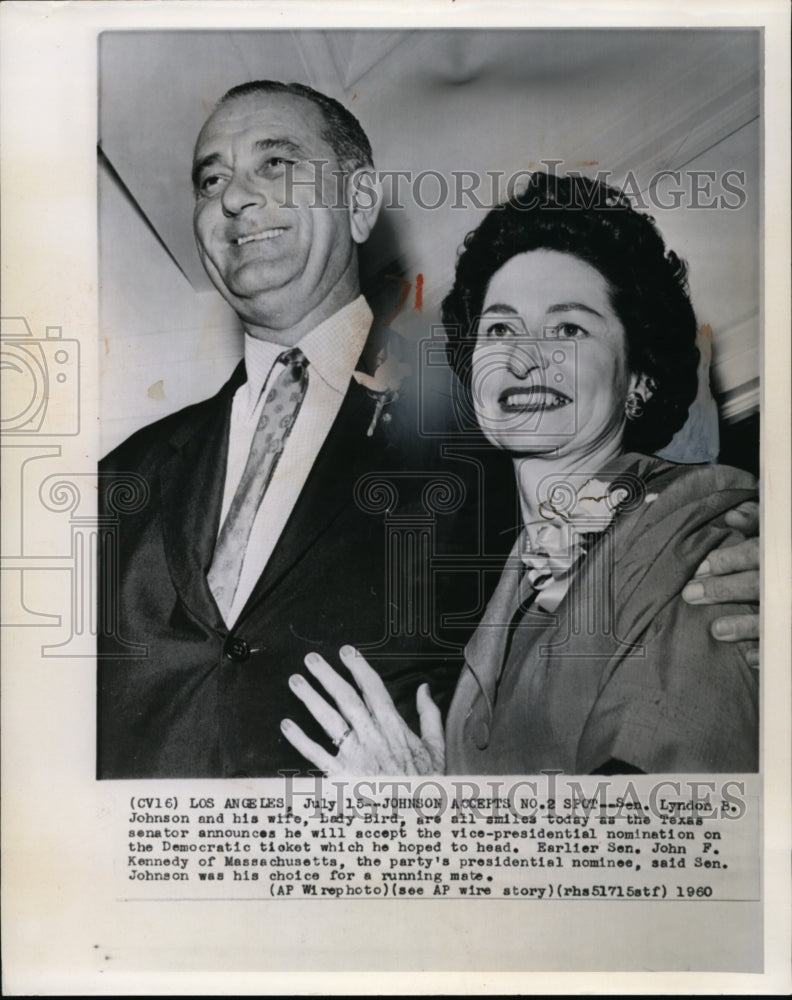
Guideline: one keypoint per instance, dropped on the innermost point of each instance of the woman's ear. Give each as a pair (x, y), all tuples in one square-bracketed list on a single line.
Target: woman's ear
[(364, 192)]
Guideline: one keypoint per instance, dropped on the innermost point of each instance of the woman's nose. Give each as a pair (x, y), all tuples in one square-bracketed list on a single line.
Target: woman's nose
[(525, 358), (240, 193)]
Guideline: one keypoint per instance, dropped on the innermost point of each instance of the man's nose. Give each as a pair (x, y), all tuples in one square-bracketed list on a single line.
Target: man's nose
[(527, 357), (242, 192)]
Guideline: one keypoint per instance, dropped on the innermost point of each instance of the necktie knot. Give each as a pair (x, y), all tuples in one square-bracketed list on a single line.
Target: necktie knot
[(295, 360)]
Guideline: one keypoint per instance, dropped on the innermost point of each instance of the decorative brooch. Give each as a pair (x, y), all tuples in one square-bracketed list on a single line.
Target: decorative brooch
[(555, 544), (591, 510)]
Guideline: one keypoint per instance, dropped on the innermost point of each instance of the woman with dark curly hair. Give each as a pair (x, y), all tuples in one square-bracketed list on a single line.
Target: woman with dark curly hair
[(647, 291), (570, 328)]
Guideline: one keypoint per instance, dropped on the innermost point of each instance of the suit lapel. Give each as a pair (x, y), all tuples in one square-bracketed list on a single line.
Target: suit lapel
[(192, 483), (485, 650), (346, 454), (591, 584)]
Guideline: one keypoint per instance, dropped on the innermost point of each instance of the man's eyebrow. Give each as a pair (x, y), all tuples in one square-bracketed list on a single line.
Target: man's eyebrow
[(288, 145), (572, 306), (202, 164), (259, 146)]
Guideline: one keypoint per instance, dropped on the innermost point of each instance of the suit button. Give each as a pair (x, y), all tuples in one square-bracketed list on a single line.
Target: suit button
[(481, 735), (236, 649)]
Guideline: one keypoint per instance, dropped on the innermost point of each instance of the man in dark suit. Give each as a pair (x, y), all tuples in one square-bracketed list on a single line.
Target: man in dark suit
[(217, 578), (278, 236)]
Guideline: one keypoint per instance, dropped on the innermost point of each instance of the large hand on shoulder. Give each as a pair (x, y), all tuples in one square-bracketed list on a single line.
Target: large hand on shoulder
[(731, 575), (371, 736)]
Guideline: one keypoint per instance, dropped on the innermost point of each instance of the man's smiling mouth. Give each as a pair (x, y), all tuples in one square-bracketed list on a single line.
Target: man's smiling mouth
[(266, 234), (529, 399)]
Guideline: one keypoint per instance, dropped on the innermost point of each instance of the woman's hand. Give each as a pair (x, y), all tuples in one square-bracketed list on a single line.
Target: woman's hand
[(371, 736)]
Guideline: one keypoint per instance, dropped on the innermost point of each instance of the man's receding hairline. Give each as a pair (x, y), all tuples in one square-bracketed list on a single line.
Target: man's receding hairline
[(225, 102), (324, 128)]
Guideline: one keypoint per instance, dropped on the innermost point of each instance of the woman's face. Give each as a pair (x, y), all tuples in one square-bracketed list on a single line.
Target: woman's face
[(550, 361)]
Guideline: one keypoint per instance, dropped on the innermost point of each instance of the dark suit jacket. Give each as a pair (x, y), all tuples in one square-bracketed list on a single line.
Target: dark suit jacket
[(181, 695)]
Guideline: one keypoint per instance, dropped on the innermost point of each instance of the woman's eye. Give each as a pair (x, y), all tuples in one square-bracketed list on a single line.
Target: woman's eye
[(499, 330), (570, 330)]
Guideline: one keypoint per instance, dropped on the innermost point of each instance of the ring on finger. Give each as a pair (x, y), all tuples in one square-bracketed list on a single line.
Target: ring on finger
[(340, 739)]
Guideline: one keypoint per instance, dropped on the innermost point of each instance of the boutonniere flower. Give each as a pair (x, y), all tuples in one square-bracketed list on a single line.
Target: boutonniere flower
[(384, 386)]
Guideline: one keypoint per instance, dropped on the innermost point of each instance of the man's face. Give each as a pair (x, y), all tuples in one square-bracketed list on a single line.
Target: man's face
[(271, 227)]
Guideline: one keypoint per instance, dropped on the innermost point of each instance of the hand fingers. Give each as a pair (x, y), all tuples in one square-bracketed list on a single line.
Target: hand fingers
[(379, 702), (327, 717), (431, 725), (344, 695), (310, 750), (732, 559), (733, 628), (737, 588), (389, 724), (377, 735), (353, 757), (745, 518)]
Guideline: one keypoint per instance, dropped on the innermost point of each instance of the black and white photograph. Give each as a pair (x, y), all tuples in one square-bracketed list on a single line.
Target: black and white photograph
[(397, 517), (350, 511)]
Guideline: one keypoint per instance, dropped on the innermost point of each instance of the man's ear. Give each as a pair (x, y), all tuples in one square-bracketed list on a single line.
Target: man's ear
[(364, 195), (644, 385)]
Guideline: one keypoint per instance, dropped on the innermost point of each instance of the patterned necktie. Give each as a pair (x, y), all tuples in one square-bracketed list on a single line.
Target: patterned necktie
[(278, 414)]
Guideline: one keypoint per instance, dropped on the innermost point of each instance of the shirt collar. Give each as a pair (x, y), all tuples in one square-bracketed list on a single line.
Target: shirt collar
[(332, 349)]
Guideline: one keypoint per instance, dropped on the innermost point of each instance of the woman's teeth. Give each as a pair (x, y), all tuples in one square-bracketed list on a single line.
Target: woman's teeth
[(534, 398)]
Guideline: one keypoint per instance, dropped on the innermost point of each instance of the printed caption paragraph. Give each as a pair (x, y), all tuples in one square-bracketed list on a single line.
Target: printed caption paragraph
[(549, 838)]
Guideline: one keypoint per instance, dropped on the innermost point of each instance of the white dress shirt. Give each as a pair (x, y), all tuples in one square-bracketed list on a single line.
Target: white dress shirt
[(332, 349)]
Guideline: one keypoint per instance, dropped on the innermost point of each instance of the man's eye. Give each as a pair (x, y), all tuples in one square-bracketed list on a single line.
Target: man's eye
[(569, 330), (499, 330), (275, 164), (210, 185)]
